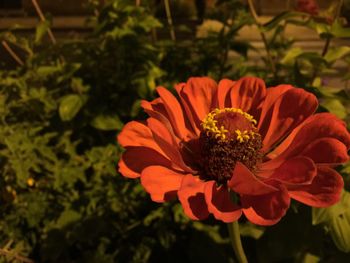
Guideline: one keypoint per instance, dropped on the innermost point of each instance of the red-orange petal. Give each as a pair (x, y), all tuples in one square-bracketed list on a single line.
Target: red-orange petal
[(136, 133), (289, 110), (266, 209), (328, 151), (272, 94), (166, 141), (248, 94), (324, 191), (175, 114), (191, 196), (243, 181), (220, 204), (135, 159), (253, 217), (161, 183), (321, 125), (197, 95), (223, 93), (296, 171), (188, 114), (156, 110)]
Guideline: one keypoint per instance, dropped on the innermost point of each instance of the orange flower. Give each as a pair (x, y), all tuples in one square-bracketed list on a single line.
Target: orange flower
[(235, 148)]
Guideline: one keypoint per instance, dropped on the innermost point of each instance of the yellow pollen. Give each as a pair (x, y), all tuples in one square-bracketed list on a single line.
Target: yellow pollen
[(209, 125), (242, 136)]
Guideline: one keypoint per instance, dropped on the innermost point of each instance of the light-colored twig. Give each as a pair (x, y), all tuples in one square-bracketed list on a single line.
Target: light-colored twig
[(43, 19), (170, 20), (263, 37), (8, 253), (12, 53), (138, 2)]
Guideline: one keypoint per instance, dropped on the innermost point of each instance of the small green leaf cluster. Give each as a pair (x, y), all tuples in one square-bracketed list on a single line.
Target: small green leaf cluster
[(61, 197)]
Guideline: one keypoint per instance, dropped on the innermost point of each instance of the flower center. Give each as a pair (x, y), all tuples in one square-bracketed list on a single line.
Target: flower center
[(228, 135)]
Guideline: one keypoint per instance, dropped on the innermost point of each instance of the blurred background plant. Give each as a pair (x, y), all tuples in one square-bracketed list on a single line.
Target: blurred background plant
[(65, 100)]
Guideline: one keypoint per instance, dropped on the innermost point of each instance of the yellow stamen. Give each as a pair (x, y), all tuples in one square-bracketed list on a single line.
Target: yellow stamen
[(209, 125), (242, 136)]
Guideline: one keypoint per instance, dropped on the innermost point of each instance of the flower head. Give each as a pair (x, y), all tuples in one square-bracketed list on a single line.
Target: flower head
[(235, 148)]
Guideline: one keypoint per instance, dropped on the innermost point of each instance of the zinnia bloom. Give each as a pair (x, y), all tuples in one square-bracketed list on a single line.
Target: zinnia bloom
[(235, 148)]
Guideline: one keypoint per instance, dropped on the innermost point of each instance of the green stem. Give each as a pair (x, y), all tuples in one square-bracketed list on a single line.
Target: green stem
[(328, 40), (263, 36), (336, 16), (233, 229), (326, 46), (170, 20)]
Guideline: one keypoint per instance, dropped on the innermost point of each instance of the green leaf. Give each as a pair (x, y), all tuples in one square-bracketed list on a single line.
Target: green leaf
[(328, 92), (340, 231), (337, 53), (70, 106), (317, 82), (251, 230), (153, 216), (107, 122), (45, 71), (338, 30), (211, 231), (337, 219), (148, 23), (310, 258), (78, 85), (135, 109), (154, 74), (297, 53), (279, 18), (335, 106), (40, 31), (291, 55), (326, 215), (313, 57), (346, 168), (67, 217), (323, 30)]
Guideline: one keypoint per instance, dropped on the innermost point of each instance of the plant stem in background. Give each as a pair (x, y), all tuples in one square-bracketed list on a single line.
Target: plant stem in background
[(170, 20), (226, 49), (233, 229), (326, 46), (256, 18), (12, 53), (328, 40), (138, 2), (153, 30), (43, 19), (288, 2), (336, 15)]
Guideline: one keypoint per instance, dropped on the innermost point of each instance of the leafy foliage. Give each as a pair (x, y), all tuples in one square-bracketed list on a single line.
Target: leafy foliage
[(62, 199)]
